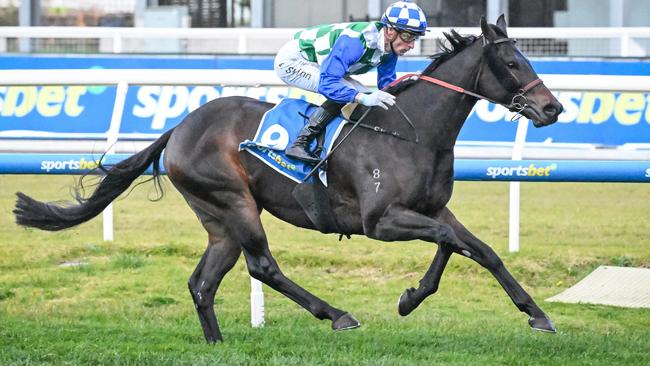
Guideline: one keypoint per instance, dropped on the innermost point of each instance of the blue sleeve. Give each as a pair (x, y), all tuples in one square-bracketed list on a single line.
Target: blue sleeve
[(345, 52), (386, 71)]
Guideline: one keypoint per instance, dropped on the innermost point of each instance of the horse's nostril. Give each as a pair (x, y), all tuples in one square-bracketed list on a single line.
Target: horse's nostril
[(551, 110)]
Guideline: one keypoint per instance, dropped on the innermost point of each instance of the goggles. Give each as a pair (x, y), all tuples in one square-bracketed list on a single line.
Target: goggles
[(408, 36)]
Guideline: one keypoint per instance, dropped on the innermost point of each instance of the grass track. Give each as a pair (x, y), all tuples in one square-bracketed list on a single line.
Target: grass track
[(130, 304)]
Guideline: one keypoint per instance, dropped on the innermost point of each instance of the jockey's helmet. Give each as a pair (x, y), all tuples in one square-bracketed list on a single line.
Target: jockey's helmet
[(406, 16)]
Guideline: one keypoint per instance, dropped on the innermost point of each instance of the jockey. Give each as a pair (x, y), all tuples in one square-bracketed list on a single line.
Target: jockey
[(322, 58)]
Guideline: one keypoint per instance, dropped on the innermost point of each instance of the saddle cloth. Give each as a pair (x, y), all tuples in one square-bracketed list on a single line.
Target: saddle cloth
[(278, 129)]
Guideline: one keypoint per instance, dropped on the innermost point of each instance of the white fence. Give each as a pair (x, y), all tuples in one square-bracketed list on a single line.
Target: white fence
[(602, 42), (237, 77)]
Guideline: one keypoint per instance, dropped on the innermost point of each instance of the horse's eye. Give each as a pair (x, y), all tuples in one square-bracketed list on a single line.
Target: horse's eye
[(511, 64)]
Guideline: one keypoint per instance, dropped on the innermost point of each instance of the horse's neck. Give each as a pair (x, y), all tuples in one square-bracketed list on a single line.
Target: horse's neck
[(462, 69), (444, 111)]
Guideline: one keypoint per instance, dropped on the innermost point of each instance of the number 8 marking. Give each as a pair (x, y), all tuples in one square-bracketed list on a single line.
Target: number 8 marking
[(376, 174)]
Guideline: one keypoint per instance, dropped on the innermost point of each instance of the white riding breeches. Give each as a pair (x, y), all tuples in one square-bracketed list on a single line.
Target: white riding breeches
[(293, 67)]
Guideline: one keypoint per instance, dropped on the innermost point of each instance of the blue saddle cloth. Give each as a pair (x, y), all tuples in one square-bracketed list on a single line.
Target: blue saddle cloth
[(278, 129)]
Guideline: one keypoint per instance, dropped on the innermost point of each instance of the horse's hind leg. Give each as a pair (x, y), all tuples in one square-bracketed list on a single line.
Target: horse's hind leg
[(220, 256), (217, 260), (247, 228), (235, 216), (480, 252)]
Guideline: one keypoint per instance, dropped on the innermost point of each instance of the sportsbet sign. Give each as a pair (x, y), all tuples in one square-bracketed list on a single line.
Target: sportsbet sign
[(57, 111), (588, 117)]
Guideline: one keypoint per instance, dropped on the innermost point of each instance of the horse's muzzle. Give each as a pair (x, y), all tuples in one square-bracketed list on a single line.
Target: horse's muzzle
[(544, 116)]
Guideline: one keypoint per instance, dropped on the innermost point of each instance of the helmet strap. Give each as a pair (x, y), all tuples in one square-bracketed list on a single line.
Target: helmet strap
[(391, 39)]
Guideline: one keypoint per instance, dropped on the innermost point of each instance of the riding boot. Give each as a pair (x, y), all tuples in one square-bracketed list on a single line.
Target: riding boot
[(317, 122)]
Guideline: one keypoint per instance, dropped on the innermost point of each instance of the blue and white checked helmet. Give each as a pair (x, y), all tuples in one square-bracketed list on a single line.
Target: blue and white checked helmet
[(405, 15)]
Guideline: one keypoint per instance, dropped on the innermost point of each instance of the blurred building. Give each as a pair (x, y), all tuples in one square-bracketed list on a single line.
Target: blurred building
[(280, 14), (301, 13)]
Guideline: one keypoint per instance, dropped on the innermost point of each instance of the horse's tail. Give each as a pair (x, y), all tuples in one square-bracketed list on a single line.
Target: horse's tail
[(55, 216)]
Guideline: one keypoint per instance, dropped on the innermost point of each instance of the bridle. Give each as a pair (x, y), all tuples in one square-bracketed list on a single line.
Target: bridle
[(519, 101)]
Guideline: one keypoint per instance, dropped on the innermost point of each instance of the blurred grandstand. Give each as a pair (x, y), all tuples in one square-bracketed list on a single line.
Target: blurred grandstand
[(233, 26)]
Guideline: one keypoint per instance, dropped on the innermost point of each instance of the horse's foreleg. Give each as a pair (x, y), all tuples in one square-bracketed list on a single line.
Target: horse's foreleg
[(480, 252), (400, 223), (220, 256), (412, 298)]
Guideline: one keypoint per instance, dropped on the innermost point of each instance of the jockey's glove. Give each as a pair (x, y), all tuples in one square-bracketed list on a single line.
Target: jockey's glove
[(377, 98)]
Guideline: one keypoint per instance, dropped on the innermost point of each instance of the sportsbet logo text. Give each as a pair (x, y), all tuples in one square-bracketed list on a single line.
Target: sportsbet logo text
[(520, 171), (277, 158), (81, 164), (627, 109), (48, 101)]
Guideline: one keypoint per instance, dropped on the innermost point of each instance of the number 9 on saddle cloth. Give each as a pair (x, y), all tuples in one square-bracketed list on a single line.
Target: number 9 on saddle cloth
[(279, 127)]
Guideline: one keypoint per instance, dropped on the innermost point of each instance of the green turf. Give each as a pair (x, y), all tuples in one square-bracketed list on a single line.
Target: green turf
[(128, 304)]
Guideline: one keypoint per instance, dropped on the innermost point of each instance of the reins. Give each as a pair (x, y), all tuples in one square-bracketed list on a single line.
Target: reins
[(518, 103), (514, 104), (356, 124)]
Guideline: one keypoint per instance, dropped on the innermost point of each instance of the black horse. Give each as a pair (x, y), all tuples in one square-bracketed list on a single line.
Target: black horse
[(385, 188)]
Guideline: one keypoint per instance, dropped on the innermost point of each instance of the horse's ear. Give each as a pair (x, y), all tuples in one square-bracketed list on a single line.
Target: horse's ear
[(489, 33), (501, 23)]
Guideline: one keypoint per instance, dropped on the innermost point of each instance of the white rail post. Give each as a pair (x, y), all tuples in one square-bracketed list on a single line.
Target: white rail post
[(625, 45), (111, 139), (117, 43), (242, 43), (515, 187), (257, 304)]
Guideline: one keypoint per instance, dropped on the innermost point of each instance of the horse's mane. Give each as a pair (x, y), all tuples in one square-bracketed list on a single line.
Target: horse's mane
[(456, 43)]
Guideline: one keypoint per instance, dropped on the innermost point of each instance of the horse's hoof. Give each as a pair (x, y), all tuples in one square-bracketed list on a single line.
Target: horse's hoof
[(404, 304), (542, 324), (214, 340), (345, 321)]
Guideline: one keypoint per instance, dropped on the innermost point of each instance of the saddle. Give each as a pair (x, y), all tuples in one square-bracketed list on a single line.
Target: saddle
[(277, 130)]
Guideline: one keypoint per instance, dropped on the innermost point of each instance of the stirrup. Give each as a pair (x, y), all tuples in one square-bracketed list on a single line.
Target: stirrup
[(297, 152)]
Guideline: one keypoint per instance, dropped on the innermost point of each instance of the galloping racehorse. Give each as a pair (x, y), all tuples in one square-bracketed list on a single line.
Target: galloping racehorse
[(386, 188)]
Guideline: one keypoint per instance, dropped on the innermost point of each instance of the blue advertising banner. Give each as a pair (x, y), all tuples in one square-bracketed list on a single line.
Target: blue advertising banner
[(77, 111), (85, 111), (51, 110), (464, 169)]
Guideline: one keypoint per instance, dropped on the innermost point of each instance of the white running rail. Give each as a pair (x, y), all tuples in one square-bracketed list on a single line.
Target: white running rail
[(238, 77)]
